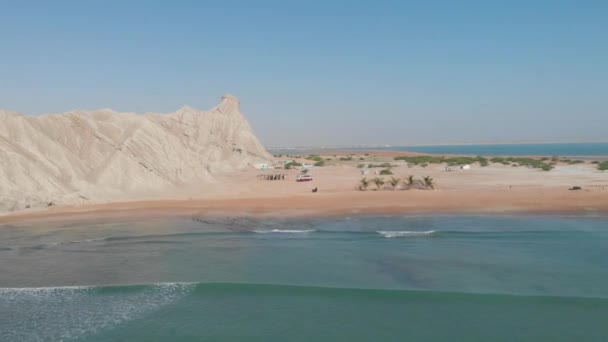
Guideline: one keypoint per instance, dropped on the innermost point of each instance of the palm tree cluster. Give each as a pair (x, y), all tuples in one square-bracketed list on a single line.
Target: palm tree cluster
[(408, 183)]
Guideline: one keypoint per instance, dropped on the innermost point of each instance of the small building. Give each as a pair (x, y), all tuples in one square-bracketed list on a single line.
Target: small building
[(263, 166), (465, 167)]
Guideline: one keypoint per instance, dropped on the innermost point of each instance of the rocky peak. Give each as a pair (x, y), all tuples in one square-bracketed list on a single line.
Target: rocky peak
[(229, 104)]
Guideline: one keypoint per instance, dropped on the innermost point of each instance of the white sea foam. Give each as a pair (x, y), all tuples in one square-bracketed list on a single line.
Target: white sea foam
[(74, 312), (41, 290), (292, 231), (404, 233)]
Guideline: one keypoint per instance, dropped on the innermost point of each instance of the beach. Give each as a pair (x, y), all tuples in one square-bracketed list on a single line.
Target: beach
[(461, 251), (303, 171), (493, 189)]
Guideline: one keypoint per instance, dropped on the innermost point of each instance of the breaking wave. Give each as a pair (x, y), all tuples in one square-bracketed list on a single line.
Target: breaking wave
[(73, 312), (404, 233), (289, 231), (88, 312)]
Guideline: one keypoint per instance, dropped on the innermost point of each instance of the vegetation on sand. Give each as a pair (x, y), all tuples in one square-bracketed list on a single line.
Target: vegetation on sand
[(292, 164), (314, 157), (453, 161), (410, 180), (521, 161), (394, 182), (378, 182), (363, 184), (383, 165), (425, 183)]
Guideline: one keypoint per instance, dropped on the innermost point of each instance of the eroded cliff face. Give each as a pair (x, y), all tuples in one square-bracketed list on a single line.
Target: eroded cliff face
[(93, 156)]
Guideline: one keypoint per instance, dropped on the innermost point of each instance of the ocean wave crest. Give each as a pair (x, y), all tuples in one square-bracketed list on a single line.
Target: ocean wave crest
[(404, 233), (289, 231)]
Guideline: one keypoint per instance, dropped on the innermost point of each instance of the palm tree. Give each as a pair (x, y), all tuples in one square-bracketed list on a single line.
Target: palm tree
[(363, 184), (394, 182), (410, 180), (428, 182), (378, 181)]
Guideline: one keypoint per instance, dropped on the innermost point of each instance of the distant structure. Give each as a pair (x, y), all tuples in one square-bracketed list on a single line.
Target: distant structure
[(263, 166)]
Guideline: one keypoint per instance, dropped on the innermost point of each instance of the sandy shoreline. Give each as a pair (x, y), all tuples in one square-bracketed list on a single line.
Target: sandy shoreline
[(338, 204), (495, 189)]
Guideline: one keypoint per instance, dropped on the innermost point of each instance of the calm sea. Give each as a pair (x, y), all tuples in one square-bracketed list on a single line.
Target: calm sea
[(447, 278), (569, 150)]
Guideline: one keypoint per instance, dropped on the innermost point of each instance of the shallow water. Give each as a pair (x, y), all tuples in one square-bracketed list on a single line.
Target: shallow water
[(365, 278)]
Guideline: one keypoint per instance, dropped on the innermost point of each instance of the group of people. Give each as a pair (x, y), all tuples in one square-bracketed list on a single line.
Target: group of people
[(273, 177)]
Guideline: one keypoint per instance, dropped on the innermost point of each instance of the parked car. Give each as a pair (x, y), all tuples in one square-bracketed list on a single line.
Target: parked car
[(303, 178)]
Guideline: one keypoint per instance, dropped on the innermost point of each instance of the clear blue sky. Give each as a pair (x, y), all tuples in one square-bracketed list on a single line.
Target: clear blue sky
[(315, 72)]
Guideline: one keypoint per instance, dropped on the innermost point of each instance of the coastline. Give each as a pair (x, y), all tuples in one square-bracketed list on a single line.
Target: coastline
[(349, 203), (494, 189)]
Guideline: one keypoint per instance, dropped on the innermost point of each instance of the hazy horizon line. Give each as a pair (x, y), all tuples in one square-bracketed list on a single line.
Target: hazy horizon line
[(438, 144)]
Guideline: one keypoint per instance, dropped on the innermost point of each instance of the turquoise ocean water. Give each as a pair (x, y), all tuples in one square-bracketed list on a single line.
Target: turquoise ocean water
[(569, 150), (444, 278)]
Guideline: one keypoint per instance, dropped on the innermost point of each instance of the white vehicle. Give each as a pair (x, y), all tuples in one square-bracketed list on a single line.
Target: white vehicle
[(303, 178)]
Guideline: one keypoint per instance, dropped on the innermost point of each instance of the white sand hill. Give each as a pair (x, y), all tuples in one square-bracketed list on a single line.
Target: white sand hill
[(95, 156)]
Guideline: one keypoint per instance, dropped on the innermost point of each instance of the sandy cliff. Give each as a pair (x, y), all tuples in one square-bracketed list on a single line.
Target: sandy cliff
[(95, 156)]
